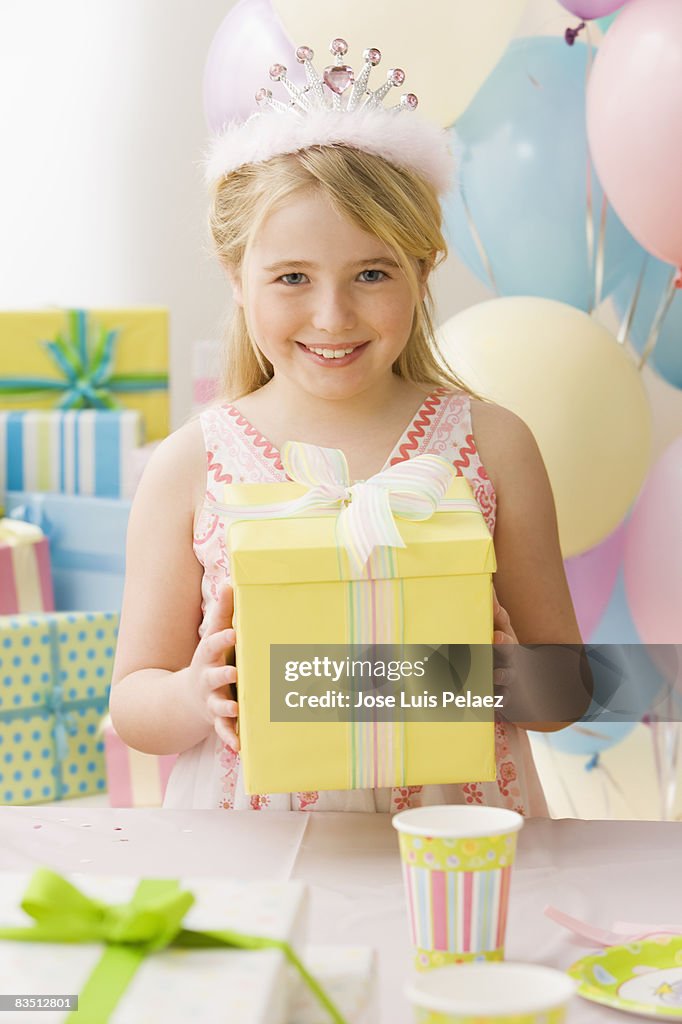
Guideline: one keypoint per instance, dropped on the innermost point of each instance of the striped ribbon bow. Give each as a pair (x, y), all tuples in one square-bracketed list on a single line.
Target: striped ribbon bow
[(411, 490), (86, 366)]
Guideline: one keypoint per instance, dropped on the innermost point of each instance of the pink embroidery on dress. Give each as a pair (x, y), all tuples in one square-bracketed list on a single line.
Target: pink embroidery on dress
[(472, 793), (259, 801), (307, 799), (228, 760), (405, 797)]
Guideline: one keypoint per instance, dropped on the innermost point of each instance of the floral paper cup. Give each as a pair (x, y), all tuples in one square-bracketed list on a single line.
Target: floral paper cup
[(457, 865), (491, 994)]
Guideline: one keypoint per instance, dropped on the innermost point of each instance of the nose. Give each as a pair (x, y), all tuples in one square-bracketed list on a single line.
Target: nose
[(334, 311)]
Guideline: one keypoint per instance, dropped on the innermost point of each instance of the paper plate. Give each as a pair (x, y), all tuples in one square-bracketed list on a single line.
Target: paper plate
[(644, 977)]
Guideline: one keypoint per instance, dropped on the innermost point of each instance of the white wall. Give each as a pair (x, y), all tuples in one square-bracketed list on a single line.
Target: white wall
[(101, 201)]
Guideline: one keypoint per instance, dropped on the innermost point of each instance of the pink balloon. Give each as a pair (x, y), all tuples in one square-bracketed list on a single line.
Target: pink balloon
[(634, 112), (589, 9), (653, 552), (592, 577), (248, 42)]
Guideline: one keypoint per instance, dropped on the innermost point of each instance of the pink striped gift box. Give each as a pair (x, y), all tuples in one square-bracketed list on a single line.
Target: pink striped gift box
[(134, 779), (25, 573)]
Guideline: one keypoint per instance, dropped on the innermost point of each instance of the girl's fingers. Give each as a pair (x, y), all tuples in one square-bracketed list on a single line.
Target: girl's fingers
[(225, 675), (222, 707), (226, 733), (215, 646)]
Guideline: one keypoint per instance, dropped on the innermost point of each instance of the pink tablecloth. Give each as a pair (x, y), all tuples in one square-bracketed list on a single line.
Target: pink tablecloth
[(599, 871)]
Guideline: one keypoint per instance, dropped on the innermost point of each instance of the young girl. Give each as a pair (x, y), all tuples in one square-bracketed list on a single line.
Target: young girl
[(328, 224)]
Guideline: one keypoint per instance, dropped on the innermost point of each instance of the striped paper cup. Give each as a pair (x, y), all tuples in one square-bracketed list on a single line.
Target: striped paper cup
[(491, 994), (457, 864)]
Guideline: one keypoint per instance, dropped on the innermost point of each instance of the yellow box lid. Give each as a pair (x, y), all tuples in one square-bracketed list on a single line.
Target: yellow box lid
[(304, 549)]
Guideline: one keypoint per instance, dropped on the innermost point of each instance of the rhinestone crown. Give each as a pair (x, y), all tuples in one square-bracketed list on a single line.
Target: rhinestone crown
[(330, 90)]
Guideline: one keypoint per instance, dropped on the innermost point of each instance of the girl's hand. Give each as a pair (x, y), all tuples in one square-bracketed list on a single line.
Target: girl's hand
[(503, 633), (212, 680)]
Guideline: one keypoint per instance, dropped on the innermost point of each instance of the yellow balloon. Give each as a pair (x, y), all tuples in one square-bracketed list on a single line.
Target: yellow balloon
[(446, 47), (579, 392)]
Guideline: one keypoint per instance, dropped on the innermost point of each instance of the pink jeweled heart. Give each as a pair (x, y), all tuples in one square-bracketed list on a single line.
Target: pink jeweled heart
[(338, 77)]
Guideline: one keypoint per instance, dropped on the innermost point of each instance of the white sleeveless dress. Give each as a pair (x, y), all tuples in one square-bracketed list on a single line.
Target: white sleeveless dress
[(208, 775)]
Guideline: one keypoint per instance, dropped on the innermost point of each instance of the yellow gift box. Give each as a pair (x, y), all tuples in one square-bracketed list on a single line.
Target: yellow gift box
[(292, 585), (99, 358)]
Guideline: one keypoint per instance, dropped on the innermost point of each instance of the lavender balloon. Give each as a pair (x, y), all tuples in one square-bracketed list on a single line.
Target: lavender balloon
[(589, 9), (249, 40), (592, 577)]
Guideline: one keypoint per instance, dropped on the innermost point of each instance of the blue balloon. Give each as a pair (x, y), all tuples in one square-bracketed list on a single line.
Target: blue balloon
[(523, 168), (666, 357)]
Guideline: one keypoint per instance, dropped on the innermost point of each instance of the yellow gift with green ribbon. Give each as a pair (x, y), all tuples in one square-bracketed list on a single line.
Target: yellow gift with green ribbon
[(95, 359), (404, 558)]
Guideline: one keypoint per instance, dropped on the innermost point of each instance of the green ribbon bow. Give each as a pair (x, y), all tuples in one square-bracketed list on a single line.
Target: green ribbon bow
[(150, 922), (85, 359)]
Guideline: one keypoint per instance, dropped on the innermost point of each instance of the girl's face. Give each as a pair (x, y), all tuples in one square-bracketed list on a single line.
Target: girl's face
[(328, 305)]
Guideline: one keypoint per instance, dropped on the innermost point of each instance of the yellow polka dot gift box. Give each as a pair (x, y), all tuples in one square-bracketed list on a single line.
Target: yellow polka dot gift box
[(55, 673), (401, 560)]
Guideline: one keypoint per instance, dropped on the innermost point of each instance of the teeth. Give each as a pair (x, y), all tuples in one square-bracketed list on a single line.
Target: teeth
[(330, 353)]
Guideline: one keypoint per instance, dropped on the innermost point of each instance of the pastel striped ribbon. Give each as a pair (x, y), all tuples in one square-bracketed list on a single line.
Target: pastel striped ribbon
[(457, 911), (366, 511)]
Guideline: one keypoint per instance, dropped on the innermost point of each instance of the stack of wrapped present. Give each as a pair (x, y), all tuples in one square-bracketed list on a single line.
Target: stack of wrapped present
[(80, 394), (199, 949)]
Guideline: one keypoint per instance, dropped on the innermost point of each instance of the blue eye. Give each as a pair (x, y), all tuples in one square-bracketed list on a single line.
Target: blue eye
[(293, 274), (376, 279)]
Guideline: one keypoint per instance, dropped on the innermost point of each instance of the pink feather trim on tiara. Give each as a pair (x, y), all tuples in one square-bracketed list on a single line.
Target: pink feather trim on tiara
[(404, 139)]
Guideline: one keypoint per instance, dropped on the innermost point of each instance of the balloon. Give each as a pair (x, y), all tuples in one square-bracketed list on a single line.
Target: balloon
[(592, 577), (523, 170), (578, 391), (249, 40), (447, 47), (666, 358), (653, 552), (589, 9), (589, 738), (616, 625), (634, 99)]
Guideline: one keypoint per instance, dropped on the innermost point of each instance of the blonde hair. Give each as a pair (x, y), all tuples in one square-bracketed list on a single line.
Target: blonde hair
[(394, 204)]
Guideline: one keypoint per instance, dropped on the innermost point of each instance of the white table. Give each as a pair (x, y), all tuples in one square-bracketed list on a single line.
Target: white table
[(599, 871)]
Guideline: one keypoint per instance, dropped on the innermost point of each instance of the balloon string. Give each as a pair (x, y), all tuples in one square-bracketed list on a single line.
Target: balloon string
[(595, 260), (626, 323), (618, 788), (480, 248), (663, 307)]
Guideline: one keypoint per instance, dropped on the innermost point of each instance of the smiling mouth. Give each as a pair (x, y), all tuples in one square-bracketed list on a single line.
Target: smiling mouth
[(335, 354)]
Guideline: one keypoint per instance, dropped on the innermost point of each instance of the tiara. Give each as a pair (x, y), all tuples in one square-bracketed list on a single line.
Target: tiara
[(335, 108)]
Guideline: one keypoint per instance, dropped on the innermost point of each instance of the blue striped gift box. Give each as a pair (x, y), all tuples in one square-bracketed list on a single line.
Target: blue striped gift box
[(87, 452)]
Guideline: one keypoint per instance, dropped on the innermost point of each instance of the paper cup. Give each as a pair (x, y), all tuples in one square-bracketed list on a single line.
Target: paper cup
[(491, 994), (457, 865)]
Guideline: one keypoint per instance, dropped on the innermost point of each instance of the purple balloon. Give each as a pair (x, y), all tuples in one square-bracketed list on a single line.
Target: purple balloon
[(589, 9), (592, 577), (248, 42)]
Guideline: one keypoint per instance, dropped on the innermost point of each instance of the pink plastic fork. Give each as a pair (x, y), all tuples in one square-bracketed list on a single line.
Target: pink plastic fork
[(622, 931)]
